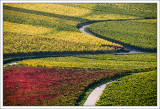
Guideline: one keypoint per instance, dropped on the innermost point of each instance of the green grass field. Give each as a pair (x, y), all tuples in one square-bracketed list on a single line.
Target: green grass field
[(135, 90)]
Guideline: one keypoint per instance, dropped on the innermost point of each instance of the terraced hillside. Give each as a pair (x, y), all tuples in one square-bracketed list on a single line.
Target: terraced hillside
[(57, 63)]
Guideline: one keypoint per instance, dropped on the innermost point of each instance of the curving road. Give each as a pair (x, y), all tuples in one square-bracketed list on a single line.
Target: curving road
[(95, 94), (82, 29), (131, 50)]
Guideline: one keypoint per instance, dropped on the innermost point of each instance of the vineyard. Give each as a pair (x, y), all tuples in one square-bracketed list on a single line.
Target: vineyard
[(124, 91), (52, 22), (58, 65), (31, 86), (58, 33), (141, 34), (131, 62)]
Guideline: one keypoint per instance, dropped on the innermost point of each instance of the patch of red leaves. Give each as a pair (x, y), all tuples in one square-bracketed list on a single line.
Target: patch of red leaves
[(30, 86)]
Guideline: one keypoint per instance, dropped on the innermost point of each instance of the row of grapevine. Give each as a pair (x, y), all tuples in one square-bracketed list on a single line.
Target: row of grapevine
[(31, 86), (139, 34), (133, 90), (132, 62)]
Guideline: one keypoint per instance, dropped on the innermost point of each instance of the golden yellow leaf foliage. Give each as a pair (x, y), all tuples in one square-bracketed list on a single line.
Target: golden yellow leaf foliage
[(52, 8), (24, 29)]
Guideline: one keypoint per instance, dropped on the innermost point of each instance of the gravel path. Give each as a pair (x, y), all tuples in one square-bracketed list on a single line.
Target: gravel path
[(95, 94), (15, 63)]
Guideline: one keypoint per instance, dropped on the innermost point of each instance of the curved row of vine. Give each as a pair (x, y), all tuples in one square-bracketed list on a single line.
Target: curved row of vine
[(95, 94)]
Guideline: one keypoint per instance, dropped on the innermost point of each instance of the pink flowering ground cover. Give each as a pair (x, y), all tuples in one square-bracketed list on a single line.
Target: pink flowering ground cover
[(36, 86)]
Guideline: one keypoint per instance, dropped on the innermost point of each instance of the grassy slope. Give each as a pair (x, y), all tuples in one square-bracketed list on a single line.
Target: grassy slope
[(138, 34), (134, 90)]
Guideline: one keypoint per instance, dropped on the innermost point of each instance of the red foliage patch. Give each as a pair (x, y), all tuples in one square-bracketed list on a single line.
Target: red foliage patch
[(47, 86)]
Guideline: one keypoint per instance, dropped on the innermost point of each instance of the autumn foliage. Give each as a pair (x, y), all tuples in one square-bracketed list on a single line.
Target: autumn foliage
[(31, 86)]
